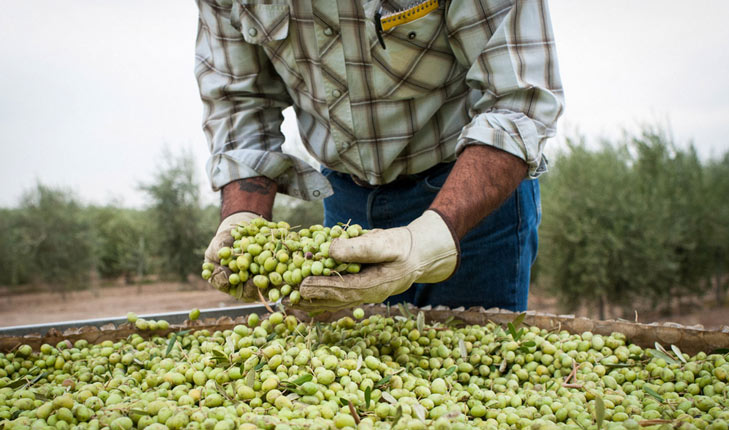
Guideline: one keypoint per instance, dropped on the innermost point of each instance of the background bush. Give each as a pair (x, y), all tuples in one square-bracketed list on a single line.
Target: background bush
[(635, 220)]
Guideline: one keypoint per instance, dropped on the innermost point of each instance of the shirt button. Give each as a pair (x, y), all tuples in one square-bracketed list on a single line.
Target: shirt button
[(336, 93), (252, 32), (328, 31)]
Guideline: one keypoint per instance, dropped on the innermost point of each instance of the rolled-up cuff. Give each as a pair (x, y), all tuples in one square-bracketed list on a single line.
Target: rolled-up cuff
[(293, 176), (514, 133)]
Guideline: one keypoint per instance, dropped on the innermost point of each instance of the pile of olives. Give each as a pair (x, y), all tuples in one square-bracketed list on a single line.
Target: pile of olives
[(382, 372), (277, 259)]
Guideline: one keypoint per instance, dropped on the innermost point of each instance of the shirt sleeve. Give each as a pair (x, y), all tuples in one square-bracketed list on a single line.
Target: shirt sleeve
[(243, 98), (508, 48)]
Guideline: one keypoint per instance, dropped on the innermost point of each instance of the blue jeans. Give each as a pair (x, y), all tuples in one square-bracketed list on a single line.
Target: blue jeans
[(496, 255)]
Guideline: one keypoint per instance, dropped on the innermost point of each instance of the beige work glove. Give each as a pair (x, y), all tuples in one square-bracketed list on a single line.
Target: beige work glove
[(222, 238), (423, 251)]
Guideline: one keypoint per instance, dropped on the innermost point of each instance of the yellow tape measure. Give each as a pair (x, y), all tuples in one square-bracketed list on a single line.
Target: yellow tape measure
[(408, 15), (392, 20)]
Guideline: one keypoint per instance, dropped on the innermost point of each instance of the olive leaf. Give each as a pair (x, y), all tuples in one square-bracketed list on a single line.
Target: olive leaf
[(36, 379), (599, 411), (512, 330), (421, 372), (24, 383), (403, 307), (419, 411), (17, 383), (383, 381), (660, 354), (303, 378), (516, 335), (368, 397), (171, 344), (172, 341), (636, 357), (618, 365), (251, 378), (280, 306), (259, 366), (421, 322), (220, 358), (452, 322), (388, 398), (398, 415), (519, 319), (450, 370), (293, 396), (676, 350), (653, 394), (462, 348), (42, 397), (319, 332)]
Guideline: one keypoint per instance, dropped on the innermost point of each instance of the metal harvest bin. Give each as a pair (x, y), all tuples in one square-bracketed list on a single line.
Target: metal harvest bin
[(691, 339)]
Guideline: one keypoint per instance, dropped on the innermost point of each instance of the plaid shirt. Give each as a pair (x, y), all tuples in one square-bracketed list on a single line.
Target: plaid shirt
[(471, 72)]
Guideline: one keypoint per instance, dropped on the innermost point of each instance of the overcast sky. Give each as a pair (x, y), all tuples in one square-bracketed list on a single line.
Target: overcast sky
[(92, 90)]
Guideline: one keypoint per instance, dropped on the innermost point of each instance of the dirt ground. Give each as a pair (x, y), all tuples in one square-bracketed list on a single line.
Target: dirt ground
[(113, 301), (36, 308), (694, 311)]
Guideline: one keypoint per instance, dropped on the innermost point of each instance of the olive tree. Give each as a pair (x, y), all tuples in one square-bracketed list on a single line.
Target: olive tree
[(179, 235)]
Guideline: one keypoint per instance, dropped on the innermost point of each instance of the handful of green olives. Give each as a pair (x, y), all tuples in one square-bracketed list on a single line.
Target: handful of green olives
[(276, 258)]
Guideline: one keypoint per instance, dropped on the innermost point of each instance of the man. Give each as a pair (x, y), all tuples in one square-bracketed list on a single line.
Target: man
[(432, 131)]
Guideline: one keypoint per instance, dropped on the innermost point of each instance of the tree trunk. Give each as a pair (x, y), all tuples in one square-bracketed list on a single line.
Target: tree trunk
[(719, 289)]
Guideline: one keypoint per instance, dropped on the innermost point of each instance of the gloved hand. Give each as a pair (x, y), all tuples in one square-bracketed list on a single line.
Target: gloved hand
[(423, 251), (222, 238)]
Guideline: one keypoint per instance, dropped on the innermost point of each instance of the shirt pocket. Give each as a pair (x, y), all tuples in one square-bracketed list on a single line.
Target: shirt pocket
[(416, 61), (260, 23)]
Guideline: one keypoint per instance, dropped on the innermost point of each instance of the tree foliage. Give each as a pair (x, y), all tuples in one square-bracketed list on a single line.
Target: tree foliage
[(176, 216), (121, 241), (48, 238), (631, 220)]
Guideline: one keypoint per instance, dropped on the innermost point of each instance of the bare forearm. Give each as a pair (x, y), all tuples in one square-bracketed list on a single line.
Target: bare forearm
[(481, 180), (251, 195)]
